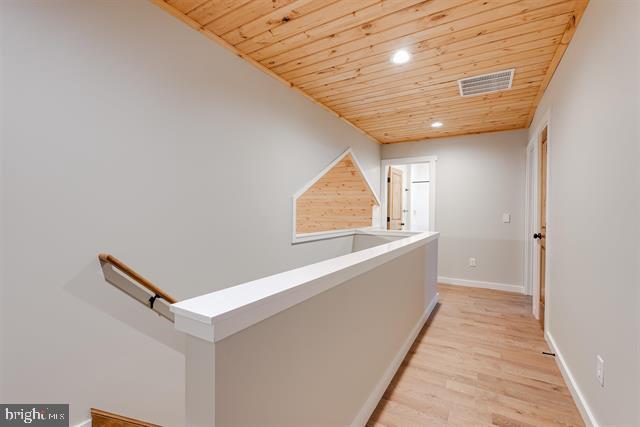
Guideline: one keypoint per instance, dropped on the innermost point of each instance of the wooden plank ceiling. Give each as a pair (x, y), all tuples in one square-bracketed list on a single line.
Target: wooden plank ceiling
[(337, 52)]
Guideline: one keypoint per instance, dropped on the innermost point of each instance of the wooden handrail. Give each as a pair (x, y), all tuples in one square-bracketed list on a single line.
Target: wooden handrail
[(104, 418), (159, 293)]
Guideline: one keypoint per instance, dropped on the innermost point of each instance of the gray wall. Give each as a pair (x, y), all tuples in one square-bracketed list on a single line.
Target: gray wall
[(125, 131), (593, 295), (479, 177), (366, 241), (317, 363)]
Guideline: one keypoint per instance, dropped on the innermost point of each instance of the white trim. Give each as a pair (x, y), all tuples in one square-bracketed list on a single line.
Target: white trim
[(364, 175), (548, 293), (433, 190), (305, 237), (322, 235), (85, 423), (545, 121), (535, 226), (407, 194), (581, 402), (480, 284), (337, 160), (432, 160), (528, 219), (391, 233), (217, 315), (410, 160), (533, 147), (374, 398), (532, 218)]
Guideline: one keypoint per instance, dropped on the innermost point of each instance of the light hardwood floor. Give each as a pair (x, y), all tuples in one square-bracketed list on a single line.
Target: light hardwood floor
[(478, 362)]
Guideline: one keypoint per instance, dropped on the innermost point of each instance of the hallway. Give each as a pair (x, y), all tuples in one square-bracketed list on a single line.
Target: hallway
[(320, 213), (478, 361)]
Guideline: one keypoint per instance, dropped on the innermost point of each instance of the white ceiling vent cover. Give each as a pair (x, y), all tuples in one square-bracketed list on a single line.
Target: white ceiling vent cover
[(486, 83)]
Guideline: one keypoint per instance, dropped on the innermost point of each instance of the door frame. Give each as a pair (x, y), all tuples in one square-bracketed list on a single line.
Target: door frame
[(432, 160), (532, 221), (390, 184)]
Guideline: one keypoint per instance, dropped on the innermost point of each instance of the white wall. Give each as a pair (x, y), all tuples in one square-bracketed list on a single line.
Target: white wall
[(366, 241), (122, 131), (479, 177), (593, 294), (320, 362)]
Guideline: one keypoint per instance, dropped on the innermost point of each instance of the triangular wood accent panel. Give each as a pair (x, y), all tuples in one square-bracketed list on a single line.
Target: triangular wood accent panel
[(340, 199)]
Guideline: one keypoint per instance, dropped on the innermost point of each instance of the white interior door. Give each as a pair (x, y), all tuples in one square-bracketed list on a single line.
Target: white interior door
[(420, 198)]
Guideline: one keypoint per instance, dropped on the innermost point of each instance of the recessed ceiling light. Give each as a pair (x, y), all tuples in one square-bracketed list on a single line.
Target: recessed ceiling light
[(436, 124), (400, 56)]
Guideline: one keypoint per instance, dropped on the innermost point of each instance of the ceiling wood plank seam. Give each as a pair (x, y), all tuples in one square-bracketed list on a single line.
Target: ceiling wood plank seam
[(337, 53)]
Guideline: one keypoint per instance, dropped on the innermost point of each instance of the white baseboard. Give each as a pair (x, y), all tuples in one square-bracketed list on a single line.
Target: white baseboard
[(583, 407), (85, 423), (374, 398), (479, 284)]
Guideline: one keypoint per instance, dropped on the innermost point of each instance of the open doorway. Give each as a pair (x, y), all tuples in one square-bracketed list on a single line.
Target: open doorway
[(408, 194)]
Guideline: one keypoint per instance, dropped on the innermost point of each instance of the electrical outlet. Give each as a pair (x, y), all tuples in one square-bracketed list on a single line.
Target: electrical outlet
[(600, 370), (472, 262), (506, 218)]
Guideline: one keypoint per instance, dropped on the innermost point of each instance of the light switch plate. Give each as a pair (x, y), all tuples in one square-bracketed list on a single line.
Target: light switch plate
[(472, 262), (506, 217)]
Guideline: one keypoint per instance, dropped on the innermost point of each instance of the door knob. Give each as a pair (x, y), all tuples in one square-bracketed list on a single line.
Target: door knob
[(537, 235)]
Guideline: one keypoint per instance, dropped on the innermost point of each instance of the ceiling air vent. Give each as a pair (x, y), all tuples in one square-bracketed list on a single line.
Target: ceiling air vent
[(486, 83)]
